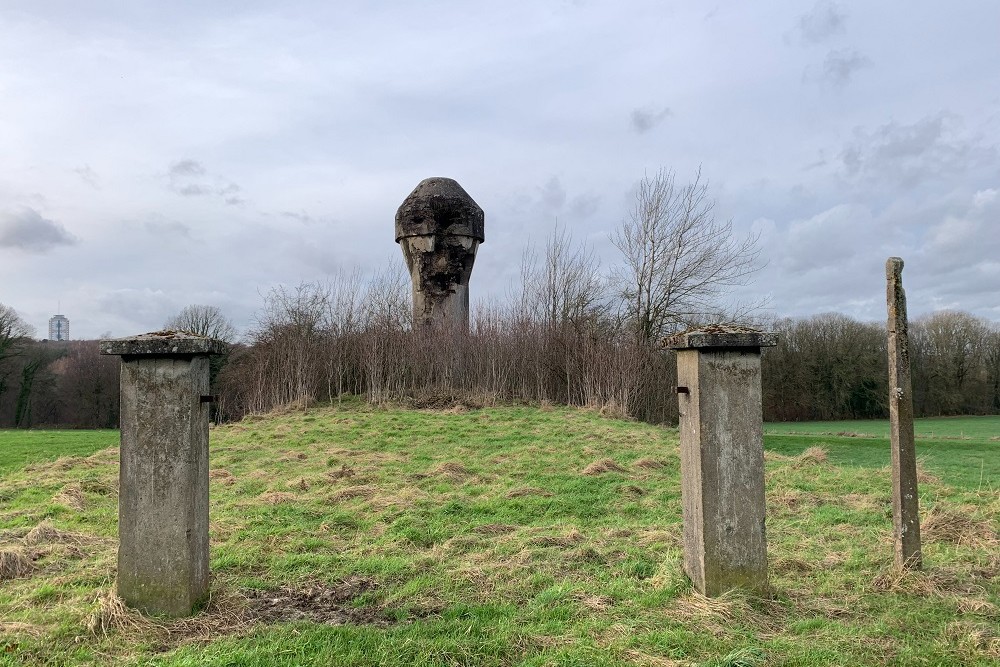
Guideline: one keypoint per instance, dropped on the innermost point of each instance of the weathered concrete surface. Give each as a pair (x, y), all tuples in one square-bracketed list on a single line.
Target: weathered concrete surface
[(163, 485), (722, 459), (439, 228), (162, 342), (905, 501)]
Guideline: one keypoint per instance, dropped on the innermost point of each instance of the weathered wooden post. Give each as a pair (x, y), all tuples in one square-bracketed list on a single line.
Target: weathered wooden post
[(722, 457), (905, 503), (163, 474)]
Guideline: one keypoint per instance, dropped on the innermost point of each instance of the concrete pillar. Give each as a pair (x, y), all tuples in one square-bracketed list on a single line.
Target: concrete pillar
[(163, 475), (905, 503), (722, 457), (439, 228)]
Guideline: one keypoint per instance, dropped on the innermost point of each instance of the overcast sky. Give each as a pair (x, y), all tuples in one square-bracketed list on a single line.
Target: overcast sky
[(158, 154)]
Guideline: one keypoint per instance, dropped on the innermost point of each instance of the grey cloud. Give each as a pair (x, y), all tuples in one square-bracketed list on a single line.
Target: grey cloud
[(907, 155), (28, 230), (584, 206), (88, 176), (300, 216), (553, 194), (840, 66), (165, 227), (192, 190), (823, 21), (190, 178), (186, 168), (644, 120)]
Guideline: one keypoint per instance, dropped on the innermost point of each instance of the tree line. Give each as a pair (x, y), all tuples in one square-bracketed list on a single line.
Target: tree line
[(320, 342), (569, 333)]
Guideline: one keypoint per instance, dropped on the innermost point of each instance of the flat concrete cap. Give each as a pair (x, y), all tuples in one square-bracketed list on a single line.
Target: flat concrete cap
[(720, 337), (439, 207), (163, 344)]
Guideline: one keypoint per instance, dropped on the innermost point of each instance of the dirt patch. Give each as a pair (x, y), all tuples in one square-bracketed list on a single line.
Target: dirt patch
[(601, 466), (523, 491), (71, 496), (292, 455), (329, 605)]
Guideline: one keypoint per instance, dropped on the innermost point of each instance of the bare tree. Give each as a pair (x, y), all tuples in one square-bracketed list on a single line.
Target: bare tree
[(566, 286), (14, 333), (678, 258), (204, 321)]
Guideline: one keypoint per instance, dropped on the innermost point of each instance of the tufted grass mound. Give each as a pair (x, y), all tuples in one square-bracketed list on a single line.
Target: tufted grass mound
[(507, 536)]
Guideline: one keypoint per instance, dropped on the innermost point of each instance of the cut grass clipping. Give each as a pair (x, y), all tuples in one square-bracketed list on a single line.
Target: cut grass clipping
[(502, 536)]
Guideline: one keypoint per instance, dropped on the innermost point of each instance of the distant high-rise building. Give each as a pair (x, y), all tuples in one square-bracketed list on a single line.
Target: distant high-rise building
[(58, 327)]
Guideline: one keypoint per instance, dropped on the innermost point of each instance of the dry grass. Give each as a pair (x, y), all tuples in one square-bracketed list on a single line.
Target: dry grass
[(292, 407), (523, 491), (451, 470), (223, 476), (591, 601), (351, 492), (111, 615), (646, 660), (72, 497), (14, 563), (812, 456), (647, 463), (46, 533), (974, 639), (495, 529), (14, 629), (277, 497), (300, 485), (943, 525), (570, 538), (601, 466)]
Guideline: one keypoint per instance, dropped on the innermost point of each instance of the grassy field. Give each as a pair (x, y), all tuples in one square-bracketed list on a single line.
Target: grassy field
[(509, 536), (963, 451), (19, 447)]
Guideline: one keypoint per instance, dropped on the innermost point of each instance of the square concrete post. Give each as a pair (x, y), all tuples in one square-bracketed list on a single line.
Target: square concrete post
[(163, 475), (722, 457), (905, 499)]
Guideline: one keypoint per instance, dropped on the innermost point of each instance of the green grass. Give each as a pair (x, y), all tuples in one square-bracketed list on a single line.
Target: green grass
[(963, 451), (983, 428), (21, 447), (474, 538)]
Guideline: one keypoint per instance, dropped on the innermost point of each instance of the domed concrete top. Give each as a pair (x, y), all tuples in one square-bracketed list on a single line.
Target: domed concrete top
[(440, 207)]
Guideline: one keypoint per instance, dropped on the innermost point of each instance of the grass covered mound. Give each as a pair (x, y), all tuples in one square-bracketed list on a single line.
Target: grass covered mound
[(507, 536)]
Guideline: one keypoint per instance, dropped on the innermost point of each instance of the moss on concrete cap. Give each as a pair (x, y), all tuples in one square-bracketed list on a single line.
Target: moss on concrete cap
[(721, 336), (163, 343)]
